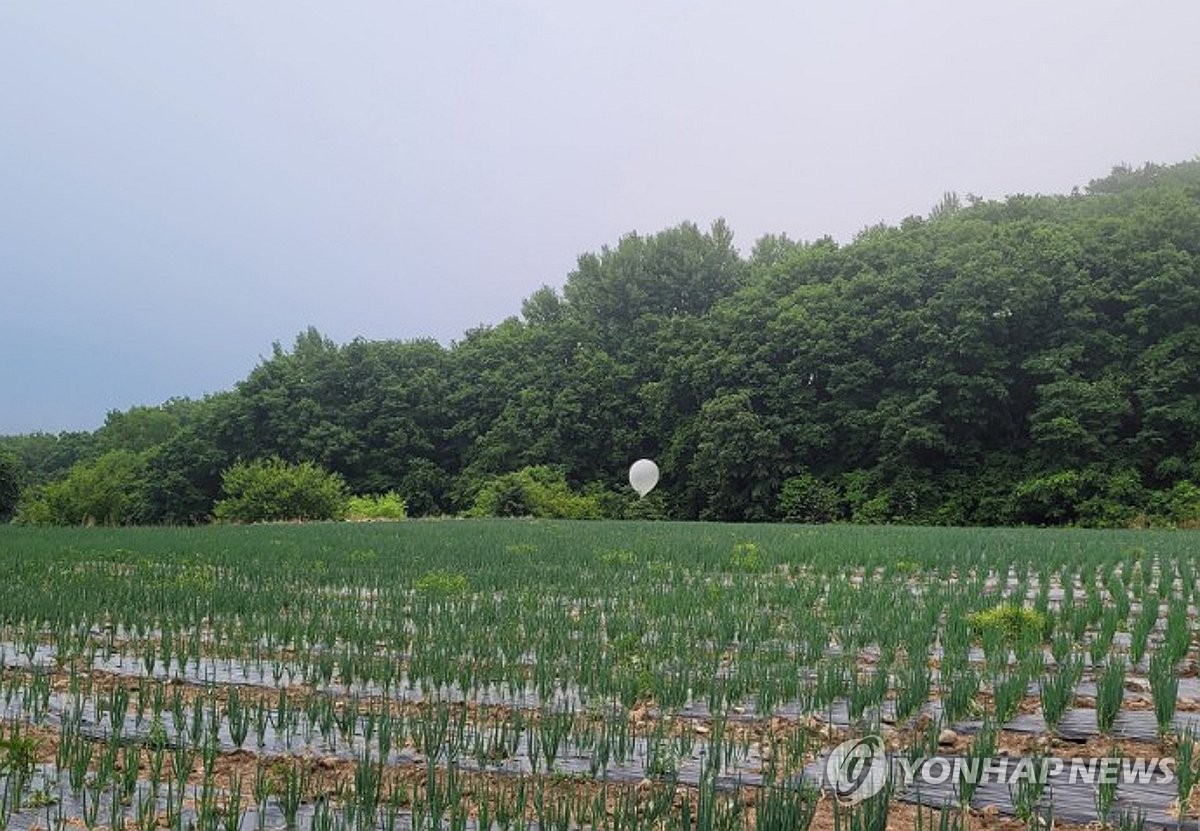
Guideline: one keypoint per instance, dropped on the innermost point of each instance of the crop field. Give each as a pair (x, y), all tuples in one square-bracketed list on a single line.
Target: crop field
[(617, 675)]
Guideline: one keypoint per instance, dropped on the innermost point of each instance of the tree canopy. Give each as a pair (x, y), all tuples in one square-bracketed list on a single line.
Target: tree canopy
[(1030, 360)]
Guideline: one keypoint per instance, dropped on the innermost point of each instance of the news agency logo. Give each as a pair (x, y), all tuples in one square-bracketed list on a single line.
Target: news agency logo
[(860, 768), (857, 770)]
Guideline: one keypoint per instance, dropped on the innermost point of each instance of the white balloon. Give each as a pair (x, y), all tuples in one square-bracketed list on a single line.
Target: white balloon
[(643, 476)]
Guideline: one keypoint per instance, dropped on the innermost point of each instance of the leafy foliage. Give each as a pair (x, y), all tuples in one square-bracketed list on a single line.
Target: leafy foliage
[(1031, 360), (379, 506), (10, 483), (271, 489), (442, 582), (533, 492), (805, 498), (1014, 623), (108, 491)]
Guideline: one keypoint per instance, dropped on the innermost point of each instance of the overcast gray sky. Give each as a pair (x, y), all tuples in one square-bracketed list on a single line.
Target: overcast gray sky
[(183, 183)]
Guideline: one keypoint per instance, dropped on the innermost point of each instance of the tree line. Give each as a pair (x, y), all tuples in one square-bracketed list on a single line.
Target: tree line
[(1029, 360)]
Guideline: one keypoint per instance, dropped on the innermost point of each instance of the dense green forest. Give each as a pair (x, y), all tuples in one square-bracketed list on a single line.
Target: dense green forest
[(1033, 360)]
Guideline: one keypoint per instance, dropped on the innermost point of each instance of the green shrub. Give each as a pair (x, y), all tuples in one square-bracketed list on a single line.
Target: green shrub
[(108, 491), (650, 506), (442, 583), (378, 506), (271, 489), (1014, 623), (1179, 506), (533, 492), (1047, 500), (746, 557), (33, 508), (856, 487), (805, 498), (1111, 499), (875, 511)]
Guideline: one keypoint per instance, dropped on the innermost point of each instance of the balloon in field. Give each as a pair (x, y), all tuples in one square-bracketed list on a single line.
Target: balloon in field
[(643, 475)]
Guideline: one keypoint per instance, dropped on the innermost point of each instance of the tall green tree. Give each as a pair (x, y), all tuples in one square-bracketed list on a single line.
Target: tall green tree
[(1032, 359), (10, 483), (108, 491)]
